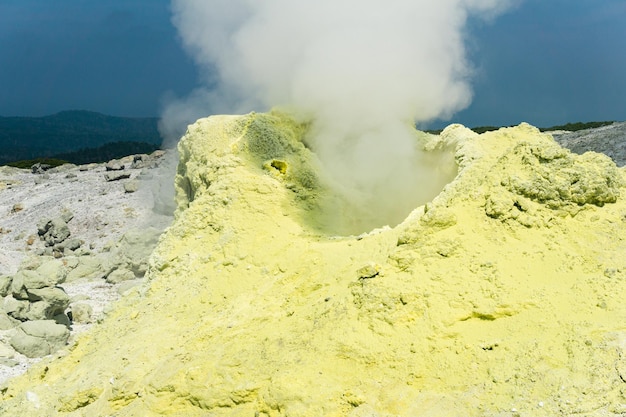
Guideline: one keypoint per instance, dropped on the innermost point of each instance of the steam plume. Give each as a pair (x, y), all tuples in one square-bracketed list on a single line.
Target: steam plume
[(363, 70)]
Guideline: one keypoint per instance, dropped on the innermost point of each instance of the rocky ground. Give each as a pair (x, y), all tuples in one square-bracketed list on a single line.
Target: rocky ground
[(94, 225), (609, 140)]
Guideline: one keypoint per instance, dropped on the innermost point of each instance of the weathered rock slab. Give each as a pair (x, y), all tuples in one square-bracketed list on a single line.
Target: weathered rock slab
[(39, 338)]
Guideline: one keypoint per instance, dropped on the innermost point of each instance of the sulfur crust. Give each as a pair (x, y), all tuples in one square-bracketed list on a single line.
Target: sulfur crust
[(504, 293)]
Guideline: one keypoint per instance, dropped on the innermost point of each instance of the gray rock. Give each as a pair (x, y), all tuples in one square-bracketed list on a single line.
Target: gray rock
[(63, 168), (54, 269), (5, 285), (63, 319), (48, 274), (46, 303), (40, 168), (114, 165), (39, 338), (17, 309), (132, 251), (18, 285), (141, 161), (126, 286), (116, 175), (87, 167), (85, 267), (32, 262), (53, 231), (119, 275), (131, 186), (8, 362), (82, 313), (68, 244), (6, 322), (82, 251), (67, 215), (6, 351)]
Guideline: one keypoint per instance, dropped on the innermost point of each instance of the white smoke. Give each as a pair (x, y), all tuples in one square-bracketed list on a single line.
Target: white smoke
[(364, 70)]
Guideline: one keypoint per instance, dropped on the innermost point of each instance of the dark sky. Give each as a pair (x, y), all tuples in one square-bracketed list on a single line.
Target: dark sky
[(545, 62)]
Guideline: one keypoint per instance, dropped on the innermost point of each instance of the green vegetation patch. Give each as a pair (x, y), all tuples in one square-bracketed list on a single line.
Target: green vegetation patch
[(574, 127), (28, 163)]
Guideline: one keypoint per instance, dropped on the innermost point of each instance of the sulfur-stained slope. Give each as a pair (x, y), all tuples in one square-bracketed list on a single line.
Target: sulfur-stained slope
[(502, 296)]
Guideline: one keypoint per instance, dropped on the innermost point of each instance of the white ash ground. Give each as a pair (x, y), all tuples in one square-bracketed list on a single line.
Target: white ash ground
[(103, 211)]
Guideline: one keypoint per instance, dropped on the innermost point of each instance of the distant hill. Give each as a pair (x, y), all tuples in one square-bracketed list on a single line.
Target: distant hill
[(70, 131), (107, 152)]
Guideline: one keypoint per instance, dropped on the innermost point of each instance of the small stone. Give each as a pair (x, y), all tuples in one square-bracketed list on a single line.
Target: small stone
[(63, 319), (82, 313), (369, 271), (114, 165), (17, 208), (69, 244), (40, 168), (67, 215), (131, 186)]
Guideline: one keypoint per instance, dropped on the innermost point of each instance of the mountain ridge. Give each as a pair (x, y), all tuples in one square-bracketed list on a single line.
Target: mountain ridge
[(23, 137)]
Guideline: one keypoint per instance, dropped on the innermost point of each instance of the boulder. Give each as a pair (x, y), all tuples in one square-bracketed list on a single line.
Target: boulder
[(18, 284), (54, 270), (132, 252), (46, 303), (38, 303), (85, 267), (39, 338), (48, 274)]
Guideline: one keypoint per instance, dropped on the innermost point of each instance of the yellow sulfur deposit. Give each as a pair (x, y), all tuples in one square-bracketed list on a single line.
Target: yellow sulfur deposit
[(503, 296)]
